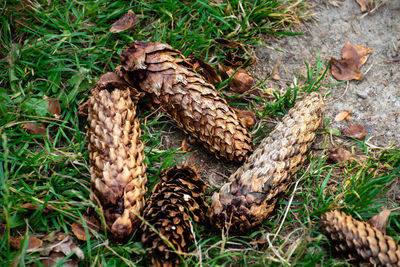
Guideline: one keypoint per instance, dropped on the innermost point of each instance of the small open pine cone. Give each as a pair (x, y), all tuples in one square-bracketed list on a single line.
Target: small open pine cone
[(250, 195), (178, 195), (187, 98), (360, 239), (118, 179)]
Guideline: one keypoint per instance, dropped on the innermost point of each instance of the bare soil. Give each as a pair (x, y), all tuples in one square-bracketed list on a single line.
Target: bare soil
[(375, 100)]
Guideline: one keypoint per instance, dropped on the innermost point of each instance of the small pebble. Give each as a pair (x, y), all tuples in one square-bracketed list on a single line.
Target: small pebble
[(362, 94)]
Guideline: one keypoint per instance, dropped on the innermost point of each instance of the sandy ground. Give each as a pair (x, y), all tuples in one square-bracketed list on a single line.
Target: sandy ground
[(375, 100)]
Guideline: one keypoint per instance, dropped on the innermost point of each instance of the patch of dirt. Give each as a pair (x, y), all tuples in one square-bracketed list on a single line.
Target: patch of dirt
[(375, 100), (212, 170)]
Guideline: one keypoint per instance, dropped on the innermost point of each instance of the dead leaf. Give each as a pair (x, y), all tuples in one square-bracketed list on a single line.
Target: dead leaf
[(61, 242), (232, 59), (353, 57), (270, 92), (54, 107), (83, 109), (240, 80), (259, 241), (206, 70), (358, 53), (188, 144), (343, 115), (56, 257), (247, 117), (31, 128), (79, 230), (126, 22), (339, 154), (33, 242), (380, 221), (275, 75), (365, 5), (345, 70), (54, 245), (30, 206), (227, 43), (355, 130)]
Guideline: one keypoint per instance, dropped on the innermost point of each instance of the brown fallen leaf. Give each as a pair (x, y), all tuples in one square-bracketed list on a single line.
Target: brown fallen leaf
[(56, 258), (33, 207), (343, 115), (365, 5), (83, 109), (339, 154), (275, 75), (54, 107), (31, 128), (380, 221), (60, 242), (355, 130), (188, 144), (79, 230), (345, 70), (247, 117), (51, 244), (228, 43), (232, 59), (33, 242), (353, 57), (126, 22), (206, 70), (240, 81), (270, 92), (358, 53)]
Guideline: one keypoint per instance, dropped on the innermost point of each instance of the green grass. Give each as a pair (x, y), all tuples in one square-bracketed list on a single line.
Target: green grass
[(59, 50)]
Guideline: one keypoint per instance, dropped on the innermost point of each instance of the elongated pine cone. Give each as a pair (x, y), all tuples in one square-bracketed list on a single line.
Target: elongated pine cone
[(360, 239), (118, 179), (185, 96), (250, 194), (178, 195)]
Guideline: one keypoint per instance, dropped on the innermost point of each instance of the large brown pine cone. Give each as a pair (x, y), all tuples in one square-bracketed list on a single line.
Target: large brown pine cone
[(118, 179), (250, 195), (177, 196), (360, 239), (186, 97)]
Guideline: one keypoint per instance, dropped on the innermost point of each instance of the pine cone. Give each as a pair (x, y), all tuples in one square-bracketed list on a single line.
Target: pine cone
[(178, 195), (118, 179), (250, 195), (185, 96), (360, 239)]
